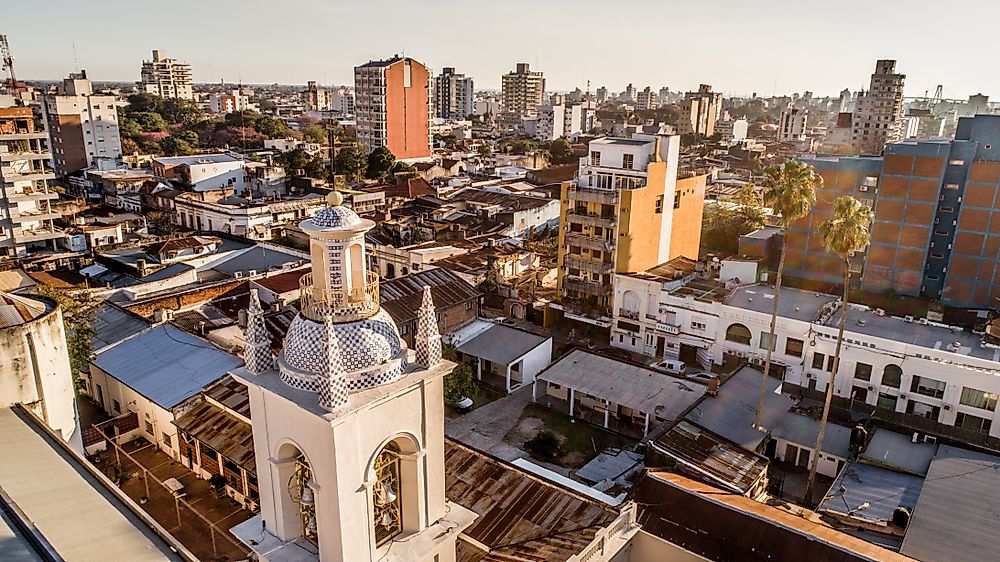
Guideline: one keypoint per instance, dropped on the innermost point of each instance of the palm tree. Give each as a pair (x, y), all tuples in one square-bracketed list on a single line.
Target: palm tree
[(790, 191), (844, 234)]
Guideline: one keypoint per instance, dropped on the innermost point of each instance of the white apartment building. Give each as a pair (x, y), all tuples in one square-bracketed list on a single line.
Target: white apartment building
[(793, 123), (342, 100), (522, 91), (235, 215), (165, 77), (230, 101), (732, 129), (25, 212), (453, 98), (905, 365), (646, 99), (207, 172), (878, 117), (82, 126), (558, 120)]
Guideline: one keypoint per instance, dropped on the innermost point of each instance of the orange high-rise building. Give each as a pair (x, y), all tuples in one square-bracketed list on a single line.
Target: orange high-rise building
[(393, 106)]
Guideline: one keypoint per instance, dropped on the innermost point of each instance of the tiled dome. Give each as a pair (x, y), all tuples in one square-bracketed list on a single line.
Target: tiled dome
[(365, 345), (336, 217)]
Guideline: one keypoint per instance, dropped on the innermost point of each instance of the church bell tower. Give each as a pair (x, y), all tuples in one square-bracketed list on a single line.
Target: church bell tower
[(348, 423)]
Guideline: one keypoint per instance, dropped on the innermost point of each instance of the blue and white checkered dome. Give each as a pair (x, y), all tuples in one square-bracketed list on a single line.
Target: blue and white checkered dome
[(336, 217), (363, 343)]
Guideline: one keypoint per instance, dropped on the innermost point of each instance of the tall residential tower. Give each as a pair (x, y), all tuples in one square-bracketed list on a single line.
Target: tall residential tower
[(878, 118), (392, 103), (167, 78), (453, 97), (83, 126)]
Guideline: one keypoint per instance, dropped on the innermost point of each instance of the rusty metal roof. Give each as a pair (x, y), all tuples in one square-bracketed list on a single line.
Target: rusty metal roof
[(222, 431), (521, 517), (401, 297), (711, 456), (231, 393)]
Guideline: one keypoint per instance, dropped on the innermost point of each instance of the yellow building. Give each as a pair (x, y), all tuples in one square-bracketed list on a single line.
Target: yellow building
[(618, 216)]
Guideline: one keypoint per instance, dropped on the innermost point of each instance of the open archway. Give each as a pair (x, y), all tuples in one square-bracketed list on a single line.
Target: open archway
[(395, 492), (297, 498), (738, 333)]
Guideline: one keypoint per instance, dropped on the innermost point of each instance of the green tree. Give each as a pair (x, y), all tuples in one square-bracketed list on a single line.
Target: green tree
[(380, 163), (314, 133), (459, 384), (790, 192), (177, 110), (484, 150), (188, 136), (351, 162), (561, 152), (138, 103), (78, 315), (128, 128), (750, 210), (844, 234), (174, 146), (402, 169), (150, 122), (294, 162), (522, 146)]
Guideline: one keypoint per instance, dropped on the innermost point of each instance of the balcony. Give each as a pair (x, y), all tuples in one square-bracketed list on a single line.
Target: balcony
[(671, 329), (591, 288), (25, 155), (589, 242), (630, 314), (24, 134), (32, 195), (592, 194), (590, 266), (37, 235), (21, 218), (591, 219), (346, 304)]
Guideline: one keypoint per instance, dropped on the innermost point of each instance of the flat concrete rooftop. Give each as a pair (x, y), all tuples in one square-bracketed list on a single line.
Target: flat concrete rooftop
[(794, 303)]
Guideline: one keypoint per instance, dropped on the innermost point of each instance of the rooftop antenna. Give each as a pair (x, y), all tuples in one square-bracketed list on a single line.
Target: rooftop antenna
[(8, 64)]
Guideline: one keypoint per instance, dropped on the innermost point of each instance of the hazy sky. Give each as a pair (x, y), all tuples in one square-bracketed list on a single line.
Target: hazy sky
[(738, 46)]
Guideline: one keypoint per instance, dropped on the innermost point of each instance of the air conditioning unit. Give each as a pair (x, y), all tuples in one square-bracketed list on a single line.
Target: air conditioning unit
[(923, 321), (863, 188), (903, 396), (871, 387), (930, 439), (238, 274), (908, 318), (947, 406)]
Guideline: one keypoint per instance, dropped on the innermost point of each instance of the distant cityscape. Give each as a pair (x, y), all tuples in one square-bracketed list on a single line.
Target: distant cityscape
[(410, 319)]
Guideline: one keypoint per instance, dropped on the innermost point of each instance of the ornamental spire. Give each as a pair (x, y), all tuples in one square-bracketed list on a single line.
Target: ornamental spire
[(257, 352), (427, 340), (333, 386)]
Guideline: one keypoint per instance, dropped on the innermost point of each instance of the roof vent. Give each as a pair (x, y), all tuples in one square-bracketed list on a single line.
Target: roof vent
[(861, 322)]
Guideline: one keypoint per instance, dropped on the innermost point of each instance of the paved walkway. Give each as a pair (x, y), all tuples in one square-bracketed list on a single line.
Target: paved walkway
[(485, 427)]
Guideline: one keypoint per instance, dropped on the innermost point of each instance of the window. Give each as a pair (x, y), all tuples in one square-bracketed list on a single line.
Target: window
[(149, 428), (116, 405), (951, 186), (975, 423), (659, 204), (892, 376), (887, 401), (765, 341), (628, 326), (386, 496), (468, 305), (738, 333), (168, 440), (595, 158), (818, 359), (923, 410), (627, 161), (928, 387), (697, 325), (863, 371), (957, 162), (979, 399), (793, 347)]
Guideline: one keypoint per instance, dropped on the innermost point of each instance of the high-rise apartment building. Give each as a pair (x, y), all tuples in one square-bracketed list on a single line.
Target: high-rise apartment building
[(628, 96), (602, 94), (82, 125), (646, 99), (937, 218), (317, 98), (453, 98), (879, 112), (392, 105), (699, 111), (25, 214), (165, 77), (230, 101), (793, 123), (617, 217), (522, 91), (559, 120), (342, 100)]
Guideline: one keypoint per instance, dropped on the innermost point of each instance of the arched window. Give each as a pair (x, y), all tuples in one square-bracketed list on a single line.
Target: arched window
[(892, 376), (299, 505), (387, 496), (630, 305), (738, 333)]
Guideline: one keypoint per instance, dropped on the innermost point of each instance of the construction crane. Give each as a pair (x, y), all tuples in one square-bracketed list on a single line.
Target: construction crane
[(8, 62)]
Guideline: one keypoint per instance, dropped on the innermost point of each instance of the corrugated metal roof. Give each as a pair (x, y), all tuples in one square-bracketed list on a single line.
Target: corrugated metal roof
[(898, 450), (232, 394), (502, 344), (956, 516), (521, 518), (112, 324), (882, 489), (712, 456), (222, 431), (401, 297), (623, 383), (165, 364)]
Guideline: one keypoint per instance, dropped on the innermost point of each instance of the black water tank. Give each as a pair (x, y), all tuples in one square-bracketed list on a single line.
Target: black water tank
[(901, 517)]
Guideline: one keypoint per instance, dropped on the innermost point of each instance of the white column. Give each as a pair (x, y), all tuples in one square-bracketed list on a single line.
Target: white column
[(533, 385), (571, 402), (508, 379), (479, 368), (607, 412), (645, 428)]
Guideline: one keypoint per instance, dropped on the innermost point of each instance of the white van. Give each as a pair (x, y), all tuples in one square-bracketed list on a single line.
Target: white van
[(672, 366)]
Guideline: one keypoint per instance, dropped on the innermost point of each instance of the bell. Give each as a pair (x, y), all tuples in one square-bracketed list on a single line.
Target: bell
[(308, 498), (311, 524), (390, 493), (387, 519)]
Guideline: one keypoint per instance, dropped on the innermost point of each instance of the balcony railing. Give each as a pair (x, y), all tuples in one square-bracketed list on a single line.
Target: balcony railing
[(589, 242), (586, 287), (583, 264), (593, 195), (345, 304), (591, 219), (632, 314)]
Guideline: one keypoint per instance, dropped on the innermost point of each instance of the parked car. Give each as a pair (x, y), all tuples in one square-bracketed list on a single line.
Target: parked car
[(671, 366)]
